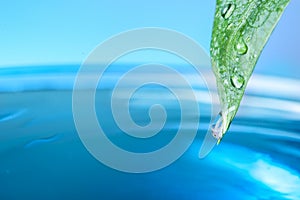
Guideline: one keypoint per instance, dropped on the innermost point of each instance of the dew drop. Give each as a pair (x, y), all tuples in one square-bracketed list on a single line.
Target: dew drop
[(241, 47), (216, 127), (237, 81), (213, 136), (254, 56), (227, 10)]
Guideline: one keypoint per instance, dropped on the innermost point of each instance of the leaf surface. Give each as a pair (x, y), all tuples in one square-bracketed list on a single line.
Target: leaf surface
[(241, 30)]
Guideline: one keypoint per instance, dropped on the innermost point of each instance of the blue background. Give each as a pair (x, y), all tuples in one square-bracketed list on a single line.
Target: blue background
[(41, 156), (63, 32)]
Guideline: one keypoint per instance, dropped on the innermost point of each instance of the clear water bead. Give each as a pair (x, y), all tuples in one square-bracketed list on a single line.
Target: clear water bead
[(241, 47), (227, 10), (237, 81), (216, 127)]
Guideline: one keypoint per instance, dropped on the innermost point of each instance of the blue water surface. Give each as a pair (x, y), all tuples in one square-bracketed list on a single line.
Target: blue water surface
[(42, 157)]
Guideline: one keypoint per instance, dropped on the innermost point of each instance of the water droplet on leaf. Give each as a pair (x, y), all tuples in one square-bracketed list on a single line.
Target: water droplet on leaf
[(212, 137), (241, 47), (237, 81), (217, 127), (227, 10)]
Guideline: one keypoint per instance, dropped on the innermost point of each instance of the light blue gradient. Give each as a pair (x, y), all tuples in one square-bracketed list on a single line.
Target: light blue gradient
[(35, 32), (41, 154), (59, 32)]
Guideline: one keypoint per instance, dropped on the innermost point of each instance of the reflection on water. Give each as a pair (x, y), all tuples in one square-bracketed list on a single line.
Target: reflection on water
[(42, 157)]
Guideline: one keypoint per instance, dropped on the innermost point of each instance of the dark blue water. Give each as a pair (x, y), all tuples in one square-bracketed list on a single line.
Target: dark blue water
[(42, 157)]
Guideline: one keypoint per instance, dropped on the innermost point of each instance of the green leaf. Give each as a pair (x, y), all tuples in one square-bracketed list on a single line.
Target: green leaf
[(241, 30)]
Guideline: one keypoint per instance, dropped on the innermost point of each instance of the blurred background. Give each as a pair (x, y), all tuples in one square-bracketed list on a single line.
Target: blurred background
[(58, 32), (42, 45)]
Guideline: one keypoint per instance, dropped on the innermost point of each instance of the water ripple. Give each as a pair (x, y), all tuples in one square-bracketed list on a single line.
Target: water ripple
[(42, 141), (12, 115)]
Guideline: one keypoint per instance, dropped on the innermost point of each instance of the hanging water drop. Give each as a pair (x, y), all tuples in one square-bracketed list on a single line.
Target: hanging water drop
[(241, 47), (213, 136), (216, 127), (237, 81), (227, 10)]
